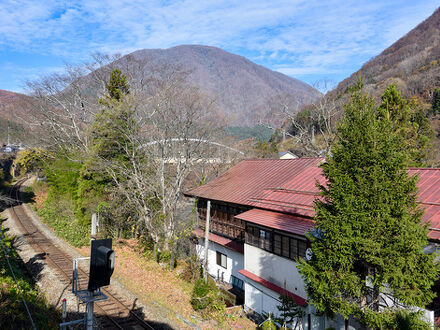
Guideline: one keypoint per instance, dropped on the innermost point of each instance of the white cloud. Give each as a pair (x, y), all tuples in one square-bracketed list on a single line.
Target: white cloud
[(301, 35)]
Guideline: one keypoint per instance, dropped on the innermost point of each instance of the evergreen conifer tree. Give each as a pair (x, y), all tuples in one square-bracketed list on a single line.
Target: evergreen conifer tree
[(410, 121), (289, 310), (369, 239), (109, 142)]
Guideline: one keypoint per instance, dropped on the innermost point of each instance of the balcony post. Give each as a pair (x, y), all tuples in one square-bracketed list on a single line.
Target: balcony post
[(208, 216)]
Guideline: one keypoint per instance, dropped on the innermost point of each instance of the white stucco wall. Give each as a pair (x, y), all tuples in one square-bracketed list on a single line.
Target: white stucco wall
[(235, 260), (284, 273), (275, 269), (263, 300)]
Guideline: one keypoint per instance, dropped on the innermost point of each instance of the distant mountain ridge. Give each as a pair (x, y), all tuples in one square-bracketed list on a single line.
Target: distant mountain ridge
[(9, 104), (412, 63), (12, 111), (240, 87)]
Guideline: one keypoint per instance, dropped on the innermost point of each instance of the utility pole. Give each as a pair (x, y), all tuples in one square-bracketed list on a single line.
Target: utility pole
[(95, 224), (208, 215), (9, 143)]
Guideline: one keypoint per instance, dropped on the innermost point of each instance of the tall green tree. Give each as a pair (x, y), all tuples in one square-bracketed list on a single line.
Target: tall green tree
[(109, 144), (117, 87), (369, 237), (410, 121)]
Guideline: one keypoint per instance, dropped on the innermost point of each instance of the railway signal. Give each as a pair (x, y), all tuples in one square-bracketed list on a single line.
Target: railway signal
[(102, 263)]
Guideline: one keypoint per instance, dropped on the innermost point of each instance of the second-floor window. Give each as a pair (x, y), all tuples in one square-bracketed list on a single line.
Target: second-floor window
[(276, 242)]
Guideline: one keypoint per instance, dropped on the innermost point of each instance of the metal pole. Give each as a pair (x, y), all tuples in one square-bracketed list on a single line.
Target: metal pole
[(64, 314), (208, 216), (74, 277), (90, 313), (94, 224)]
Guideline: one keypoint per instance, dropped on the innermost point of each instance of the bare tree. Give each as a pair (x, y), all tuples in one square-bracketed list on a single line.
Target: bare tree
[(64, 104), (174, 144), (311, 128), (178, 129)]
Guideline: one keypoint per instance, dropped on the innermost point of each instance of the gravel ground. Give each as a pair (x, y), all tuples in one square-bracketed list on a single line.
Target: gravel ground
[(51, 283), (56, 289)]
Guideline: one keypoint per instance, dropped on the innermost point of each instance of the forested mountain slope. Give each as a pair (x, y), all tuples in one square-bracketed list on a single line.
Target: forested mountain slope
[(412, 63)]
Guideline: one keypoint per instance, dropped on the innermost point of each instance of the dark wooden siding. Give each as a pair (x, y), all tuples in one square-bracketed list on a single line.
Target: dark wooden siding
[(222, 221)]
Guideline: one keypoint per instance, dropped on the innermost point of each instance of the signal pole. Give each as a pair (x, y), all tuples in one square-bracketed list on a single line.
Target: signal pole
[(90, 312), (102, 261)]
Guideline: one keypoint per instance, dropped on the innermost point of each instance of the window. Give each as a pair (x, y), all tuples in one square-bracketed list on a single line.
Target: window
[(222, 259), (302, 247), (222, 222), (285, 246), (293, 248), (276, 242), (265, 240), (237, 283)]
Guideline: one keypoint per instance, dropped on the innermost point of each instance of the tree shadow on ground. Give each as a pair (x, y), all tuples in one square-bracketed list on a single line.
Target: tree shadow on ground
[(26, 196)]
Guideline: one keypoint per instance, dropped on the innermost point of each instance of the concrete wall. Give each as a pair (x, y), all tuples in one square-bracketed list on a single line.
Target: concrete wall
[(263, 300), (235, 260), (275, 269)]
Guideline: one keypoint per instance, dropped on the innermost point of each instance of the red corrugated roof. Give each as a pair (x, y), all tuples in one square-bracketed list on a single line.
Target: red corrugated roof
[(289, 186), (296, 195), (249, 178), (299, 300), (289, 223), (429, 197), (226, 242)]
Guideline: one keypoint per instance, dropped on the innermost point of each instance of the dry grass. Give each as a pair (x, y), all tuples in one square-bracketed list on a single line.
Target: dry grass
[(155, 284)]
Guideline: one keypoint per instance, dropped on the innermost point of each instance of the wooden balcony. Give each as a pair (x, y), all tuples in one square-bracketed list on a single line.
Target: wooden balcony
[(222, 221)]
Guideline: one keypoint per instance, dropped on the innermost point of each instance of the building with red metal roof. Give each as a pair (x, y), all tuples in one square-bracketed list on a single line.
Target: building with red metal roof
[(261, 210)]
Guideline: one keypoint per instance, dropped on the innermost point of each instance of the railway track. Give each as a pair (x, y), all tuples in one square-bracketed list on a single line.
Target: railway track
[(112, 313)]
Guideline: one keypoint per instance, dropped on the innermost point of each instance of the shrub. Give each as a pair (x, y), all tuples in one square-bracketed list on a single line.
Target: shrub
[(201, 296), (164, 256), (58, 214), (13, 314), (268, 325)]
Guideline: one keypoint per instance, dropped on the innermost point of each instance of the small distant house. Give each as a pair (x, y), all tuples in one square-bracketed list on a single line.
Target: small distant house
[(261, 211), (286, 155)]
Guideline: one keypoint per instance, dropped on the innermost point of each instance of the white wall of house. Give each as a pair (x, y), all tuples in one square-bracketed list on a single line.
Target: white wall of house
[(235, 261), (259, 298), (263, 300), (284, 273), (275, 269)]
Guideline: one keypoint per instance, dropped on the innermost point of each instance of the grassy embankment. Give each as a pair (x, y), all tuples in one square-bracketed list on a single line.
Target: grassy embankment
[(58, 213), (13, 314)]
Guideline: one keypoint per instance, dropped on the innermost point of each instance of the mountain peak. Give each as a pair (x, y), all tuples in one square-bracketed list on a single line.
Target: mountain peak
[(241, 88)]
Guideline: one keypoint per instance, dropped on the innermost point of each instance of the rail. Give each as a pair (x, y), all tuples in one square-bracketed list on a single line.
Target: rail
[(63, 263)]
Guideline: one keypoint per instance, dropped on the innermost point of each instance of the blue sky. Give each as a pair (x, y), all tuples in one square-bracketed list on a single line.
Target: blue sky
[(310, 40)]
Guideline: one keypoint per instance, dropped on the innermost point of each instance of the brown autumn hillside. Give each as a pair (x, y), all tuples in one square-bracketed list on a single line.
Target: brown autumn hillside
[(10, 105), (240, 88), (12, 112), (412, 63)]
